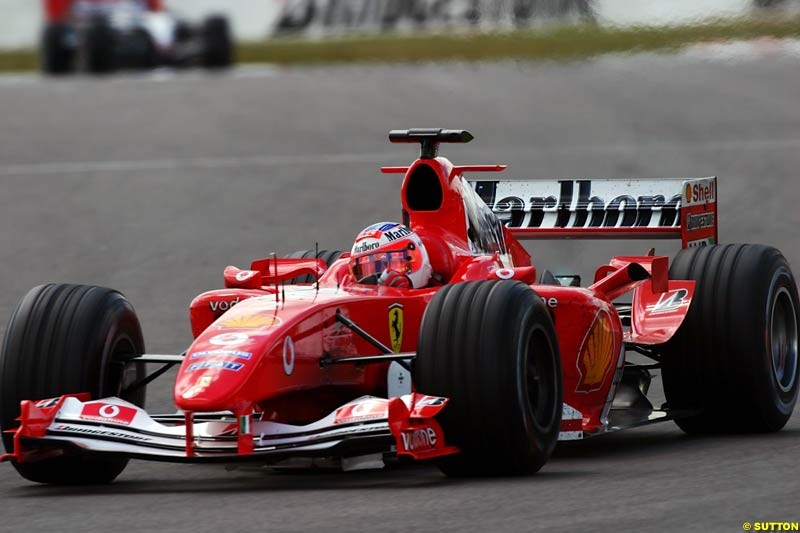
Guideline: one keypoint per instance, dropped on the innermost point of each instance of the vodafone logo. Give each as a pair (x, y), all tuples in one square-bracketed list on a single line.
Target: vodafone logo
[(108, 413), (245, 275), (288, 356), (229, 339)]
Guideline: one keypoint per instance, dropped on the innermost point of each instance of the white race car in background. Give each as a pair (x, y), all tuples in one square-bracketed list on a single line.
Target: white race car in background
[(100, 36)]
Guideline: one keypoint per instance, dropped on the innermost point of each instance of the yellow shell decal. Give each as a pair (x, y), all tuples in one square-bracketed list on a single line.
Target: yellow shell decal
[(396, 326), (596, 354), (250, 321)]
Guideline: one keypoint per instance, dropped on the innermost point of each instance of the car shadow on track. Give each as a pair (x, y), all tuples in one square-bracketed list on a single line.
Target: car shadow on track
[(571, 461), (204, 479), (651, 442)]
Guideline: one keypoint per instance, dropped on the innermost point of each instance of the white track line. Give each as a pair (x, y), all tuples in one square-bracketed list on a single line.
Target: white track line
[(82, 167)]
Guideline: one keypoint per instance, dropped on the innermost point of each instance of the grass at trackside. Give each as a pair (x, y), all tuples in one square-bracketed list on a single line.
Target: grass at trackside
[(561, 43)]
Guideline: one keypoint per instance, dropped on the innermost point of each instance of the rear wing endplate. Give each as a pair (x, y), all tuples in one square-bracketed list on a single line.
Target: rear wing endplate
[(606, 209)]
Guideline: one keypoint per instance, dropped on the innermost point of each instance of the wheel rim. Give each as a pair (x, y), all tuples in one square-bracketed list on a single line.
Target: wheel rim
[(783, 339), (121, 373), (540, 381)]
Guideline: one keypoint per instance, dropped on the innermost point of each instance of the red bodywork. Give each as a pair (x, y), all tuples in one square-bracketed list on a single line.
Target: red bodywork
[(283, 333), (61, 10)]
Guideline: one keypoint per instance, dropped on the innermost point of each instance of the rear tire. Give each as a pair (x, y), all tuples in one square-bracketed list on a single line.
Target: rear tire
[(57, 56), (97, 47), (68, 339), (491, 347), (735, 357), (329, 256), (217, 43)]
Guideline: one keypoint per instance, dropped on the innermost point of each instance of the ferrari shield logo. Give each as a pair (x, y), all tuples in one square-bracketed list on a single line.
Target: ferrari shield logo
[(396, 326)]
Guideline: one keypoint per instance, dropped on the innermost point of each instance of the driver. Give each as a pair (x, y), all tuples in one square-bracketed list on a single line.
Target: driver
[(390, 254)]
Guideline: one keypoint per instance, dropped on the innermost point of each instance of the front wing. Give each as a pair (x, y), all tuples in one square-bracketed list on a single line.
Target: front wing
[(367, 425)]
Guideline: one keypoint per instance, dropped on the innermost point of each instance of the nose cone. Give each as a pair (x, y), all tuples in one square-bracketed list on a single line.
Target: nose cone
[(211, 376), (222, 359)]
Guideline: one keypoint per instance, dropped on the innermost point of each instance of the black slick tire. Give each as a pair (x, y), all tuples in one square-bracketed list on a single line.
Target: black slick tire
[(97, 52), (329, 256), (56, 55), (734, 360), (67, 339), (217, 43), (491, 347)]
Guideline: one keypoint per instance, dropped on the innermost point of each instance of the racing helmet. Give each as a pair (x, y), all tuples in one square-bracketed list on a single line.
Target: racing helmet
[(388, 253)]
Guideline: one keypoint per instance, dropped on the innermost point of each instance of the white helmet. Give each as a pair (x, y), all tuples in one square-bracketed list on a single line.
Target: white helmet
[(390, 254)]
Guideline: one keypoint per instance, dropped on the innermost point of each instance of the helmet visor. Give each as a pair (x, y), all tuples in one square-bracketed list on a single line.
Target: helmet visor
[(367, 268)]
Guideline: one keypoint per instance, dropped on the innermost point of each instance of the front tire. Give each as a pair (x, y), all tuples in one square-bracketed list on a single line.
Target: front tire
[(734, 360), (217, 43), (491, 347), (68, 339)]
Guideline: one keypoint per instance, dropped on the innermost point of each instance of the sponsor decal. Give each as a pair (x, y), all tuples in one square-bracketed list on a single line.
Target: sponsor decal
[(223, 365), (229, 339), (98, 431), (250, 321), (388, 226), (697, 192), (504, 273), (431, 400), (362, 247), (695, 222), (216, 353), (108, 412), (361, 411), (288, 356), (418, 439), (596, 353), (582, 203), (222, 305), (396, 326), (552, 303), (315, 17), (43, 404), (669, 301), (398, 233), (700, 242), (199, 386)]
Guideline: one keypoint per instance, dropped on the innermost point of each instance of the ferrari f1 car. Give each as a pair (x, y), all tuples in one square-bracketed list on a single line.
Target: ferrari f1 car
[(100, 36), (483, 370)]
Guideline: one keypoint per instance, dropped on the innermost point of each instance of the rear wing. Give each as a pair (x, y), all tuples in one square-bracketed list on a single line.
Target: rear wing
[(606, 209)]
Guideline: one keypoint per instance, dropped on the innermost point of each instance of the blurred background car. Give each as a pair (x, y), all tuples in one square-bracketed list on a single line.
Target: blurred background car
[(101, 36)]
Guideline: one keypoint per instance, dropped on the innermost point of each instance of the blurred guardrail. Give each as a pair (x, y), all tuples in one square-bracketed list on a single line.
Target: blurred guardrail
[(259, 19)]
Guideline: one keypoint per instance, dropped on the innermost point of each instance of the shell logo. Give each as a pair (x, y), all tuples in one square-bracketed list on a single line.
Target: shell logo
[(250, 321), (688, 193), (596, 354)]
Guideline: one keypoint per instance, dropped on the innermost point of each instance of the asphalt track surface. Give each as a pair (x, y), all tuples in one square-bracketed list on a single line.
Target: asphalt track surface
[(153, 184)]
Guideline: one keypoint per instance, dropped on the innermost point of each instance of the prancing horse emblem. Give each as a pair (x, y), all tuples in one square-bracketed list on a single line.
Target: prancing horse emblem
[(396, 326)]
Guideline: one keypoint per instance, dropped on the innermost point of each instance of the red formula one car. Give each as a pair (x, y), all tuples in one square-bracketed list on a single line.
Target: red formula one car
[(324, 358)]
